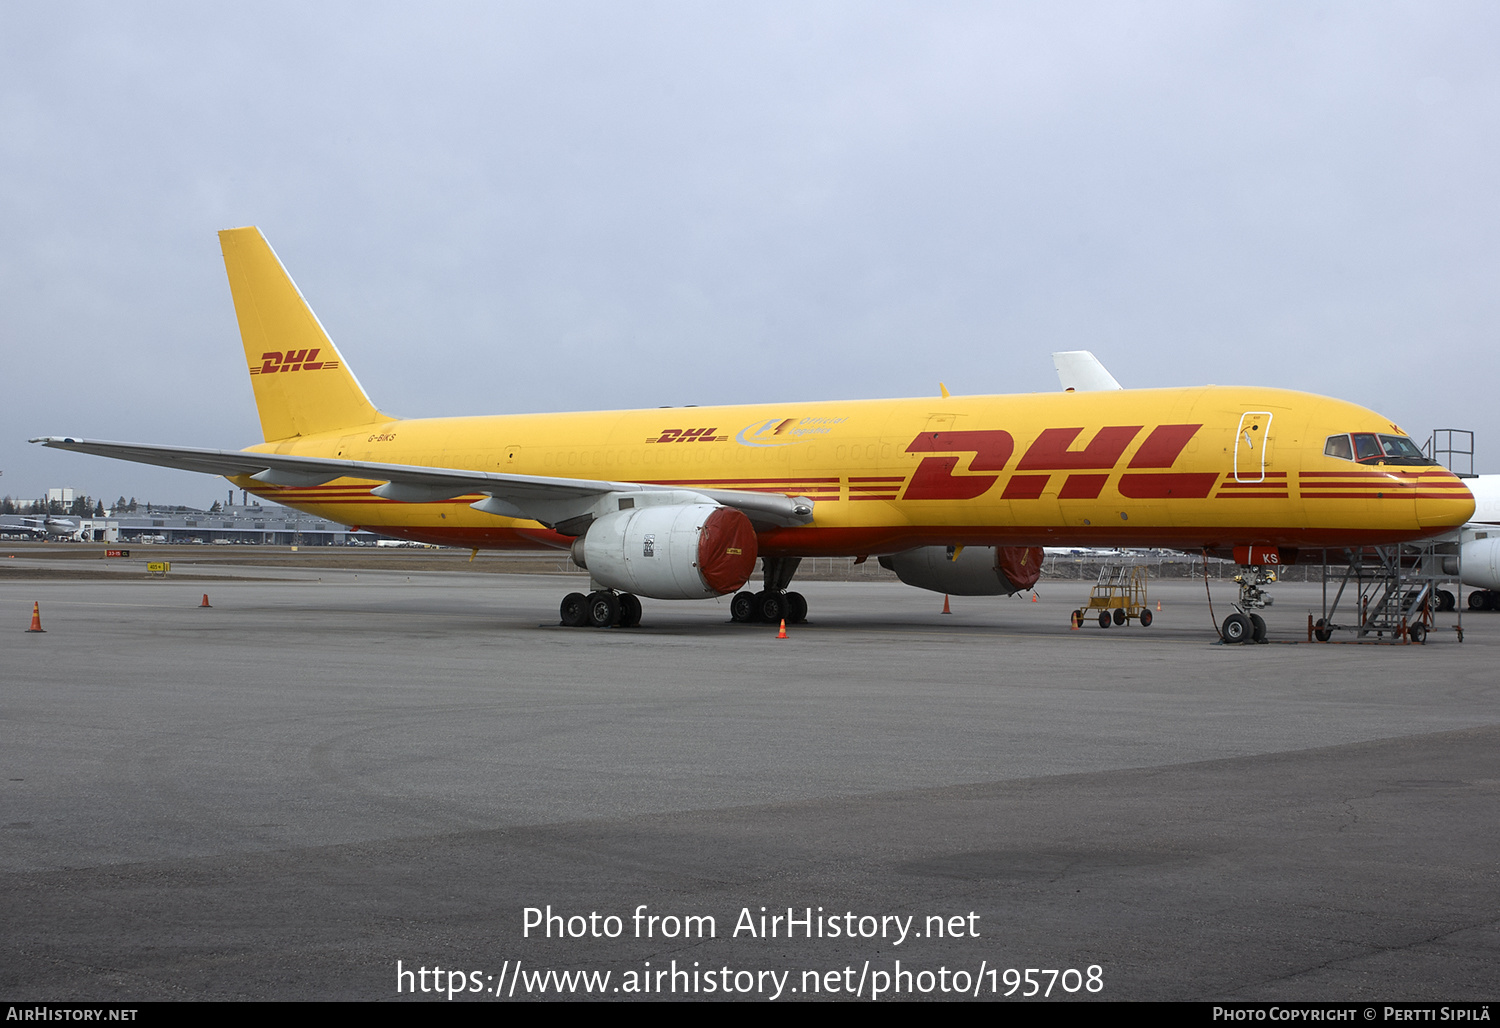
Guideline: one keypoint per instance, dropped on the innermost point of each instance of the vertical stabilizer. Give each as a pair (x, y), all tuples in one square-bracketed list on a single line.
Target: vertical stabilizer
[(1080, 371), (302, 385)]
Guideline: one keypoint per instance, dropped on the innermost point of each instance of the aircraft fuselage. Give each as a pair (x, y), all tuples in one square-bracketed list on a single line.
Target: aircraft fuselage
[(1209, 467)]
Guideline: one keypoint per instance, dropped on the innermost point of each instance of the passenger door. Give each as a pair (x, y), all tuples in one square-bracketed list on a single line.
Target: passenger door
[(1252, 446)]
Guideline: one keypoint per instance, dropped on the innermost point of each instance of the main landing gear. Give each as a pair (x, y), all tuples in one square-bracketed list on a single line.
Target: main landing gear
[(603, 608), (773, 603), (1244, 625), (606, 608)]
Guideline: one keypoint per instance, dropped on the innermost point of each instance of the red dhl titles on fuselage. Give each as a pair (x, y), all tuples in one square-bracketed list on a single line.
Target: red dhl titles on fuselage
[(1216, 465)]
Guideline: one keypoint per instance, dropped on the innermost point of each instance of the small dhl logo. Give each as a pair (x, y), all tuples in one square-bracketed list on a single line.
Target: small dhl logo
[(688, 435), (291, 360)]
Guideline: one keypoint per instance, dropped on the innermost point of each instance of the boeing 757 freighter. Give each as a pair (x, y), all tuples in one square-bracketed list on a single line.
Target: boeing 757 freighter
[(679, 504)]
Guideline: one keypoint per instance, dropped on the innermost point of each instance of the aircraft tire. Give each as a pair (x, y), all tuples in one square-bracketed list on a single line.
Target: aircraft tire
[(1104, 621), (1257, 628), (630, 610), (796, 608), (743, 608), (771, 605), (1236, 629), (1479, 600), (604, 609), (1120, 617), (1322, 632), (574, 610), (1146, 619)]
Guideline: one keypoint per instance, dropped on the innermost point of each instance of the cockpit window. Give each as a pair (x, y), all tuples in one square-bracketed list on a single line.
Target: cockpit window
[(1399, 446), (1366, 446), (1369, 448)]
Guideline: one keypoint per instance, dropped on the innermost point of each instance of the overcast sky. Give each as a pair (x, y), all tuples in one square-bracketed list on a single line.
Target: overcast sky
[(501, 208)]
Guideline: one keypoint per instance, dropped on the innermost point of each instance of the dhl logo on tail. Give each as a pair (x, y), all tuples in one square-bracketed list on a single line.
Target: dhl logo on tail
[(273, 361)]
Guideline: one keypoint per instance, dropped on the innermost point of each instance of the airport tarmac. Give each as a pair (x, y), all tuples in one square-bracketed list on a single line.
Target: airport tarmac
[(283, 795)]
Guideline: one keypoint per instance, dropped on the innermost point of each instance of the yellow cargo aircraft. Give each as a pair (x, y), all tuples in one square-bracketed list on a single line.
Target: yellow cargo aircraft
[(956, 494)]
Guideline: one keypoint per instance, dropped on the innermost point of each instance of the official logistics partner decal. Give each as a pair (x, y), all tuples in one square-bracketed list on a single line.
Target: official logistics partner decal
[(785, 431)]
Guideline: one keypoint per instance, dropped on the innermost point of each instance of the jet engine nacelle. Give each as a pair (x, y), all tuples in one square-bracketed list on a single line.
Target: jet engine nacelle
[(683, 552), (976, 571), (1481, 563)]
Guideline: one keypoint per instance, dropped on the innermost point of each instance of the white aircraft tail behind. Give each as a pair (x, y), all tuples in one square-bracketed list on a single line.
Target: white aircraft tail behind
[(1080, 371)]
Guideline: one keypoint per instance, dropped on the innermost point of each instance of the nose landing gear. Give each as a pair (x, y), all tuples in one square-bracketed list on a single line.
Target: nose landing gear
[(1245, 625)]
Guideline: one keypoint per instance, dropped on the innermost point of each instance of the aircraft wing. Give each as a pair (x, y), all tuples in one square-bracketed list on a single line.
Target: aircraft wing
[(529, 497)]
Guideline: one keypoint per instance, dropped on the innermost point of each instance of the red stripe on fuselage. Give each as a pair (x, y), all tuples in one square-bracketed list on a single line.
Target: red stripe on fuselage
[(1185, 486)]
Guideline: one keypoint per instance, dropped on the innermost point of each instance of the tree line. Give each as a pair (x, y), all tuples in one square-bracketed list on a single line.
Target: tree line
[(88, 506)]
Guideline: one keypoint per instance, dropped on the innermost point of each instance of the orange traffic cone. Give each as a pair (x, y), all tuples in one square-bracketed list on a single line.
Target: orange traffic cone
[(945, 604), (1158, 606), (782, 634), (1033, 597), (205, 602), (36, 618)]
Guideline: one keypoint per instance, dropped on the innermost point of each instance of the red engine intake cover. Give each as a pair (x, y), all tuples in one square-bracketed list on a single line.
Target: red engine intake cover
[(1021, 564), (726, 550)]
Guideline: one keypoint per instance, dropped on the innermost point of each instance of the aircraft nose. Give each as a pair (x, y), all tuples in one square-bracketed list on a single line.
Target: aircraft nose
[(1444, 503)]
